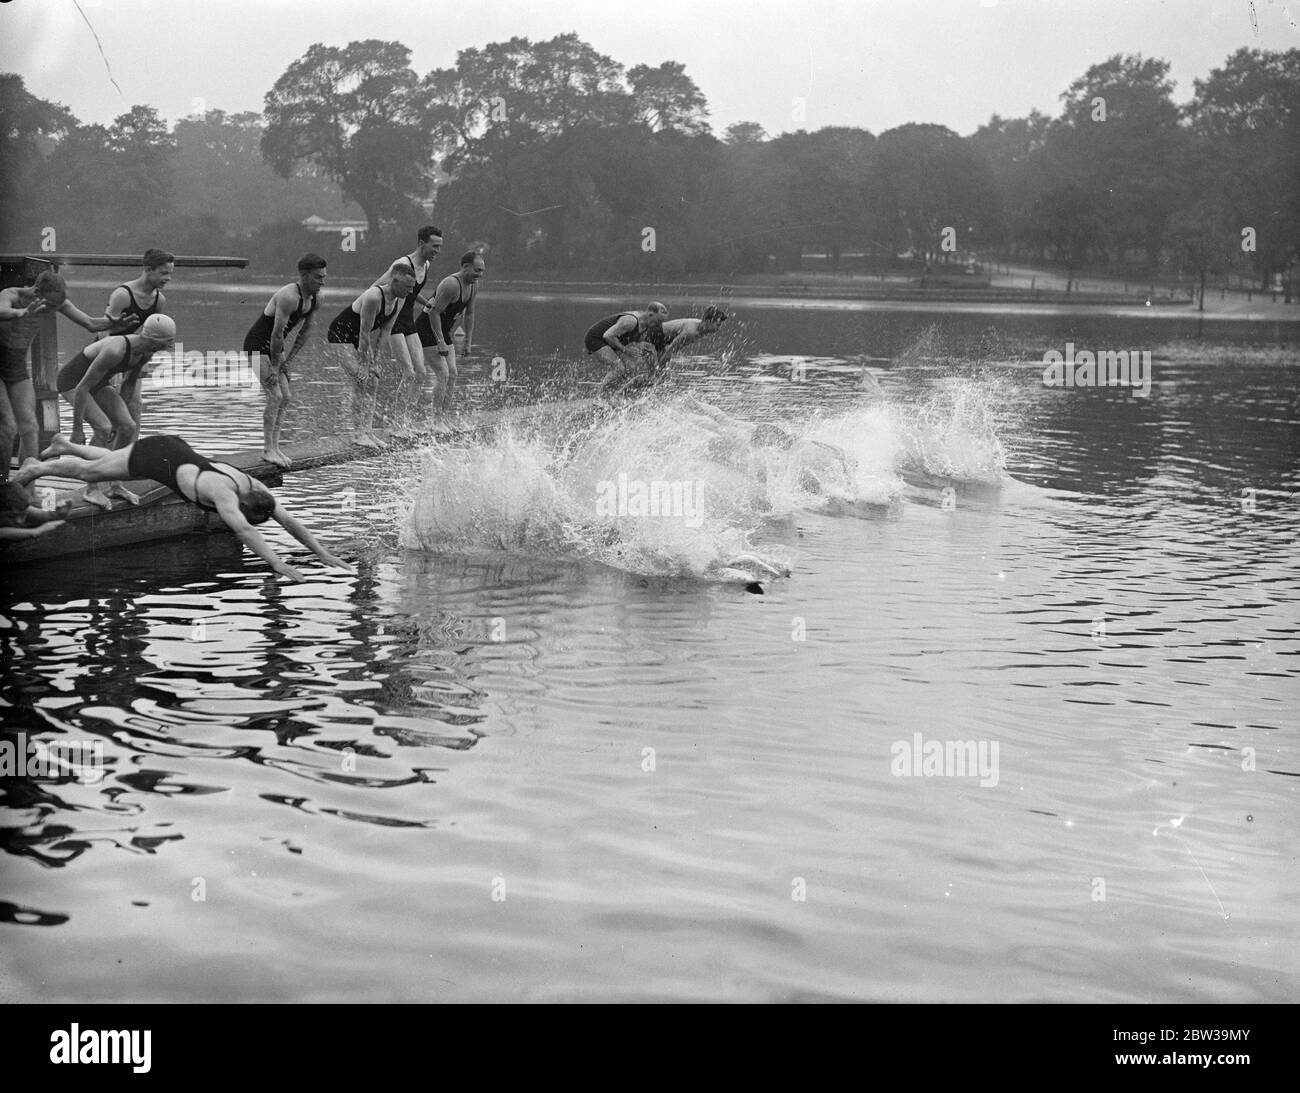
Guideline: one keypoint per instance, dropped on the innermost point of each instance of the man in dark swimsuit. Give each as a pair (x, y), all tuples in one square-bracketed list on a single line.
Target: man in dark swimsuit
[(612, 340), (86, 381), (294, 303), (21, 311), (453, 304), (404, 340), (125, 310), (675, 336), (239, 500), (363, 324)]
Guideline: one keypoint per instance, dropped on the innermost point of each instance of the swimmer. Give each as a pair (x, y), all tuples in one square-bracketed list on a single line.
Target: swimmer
[(21, 312), (239, 500), (375, 312), (677, 335), (454, 305), (125, 310), (406, 341), (292, 304), (86, 381), (618, 341)]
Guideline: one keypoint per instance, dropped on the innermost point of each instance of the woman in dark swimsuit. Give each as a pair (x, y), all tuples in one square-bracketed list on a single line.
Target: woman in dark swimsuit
[(239, 500)]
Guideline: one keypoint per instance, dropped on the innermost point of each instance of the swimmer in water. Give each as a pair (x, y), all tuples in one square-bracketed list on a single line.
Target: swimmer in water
[(86, 381), (21, 314), (239, 500), (293, 304), (677, 335), (365, 324), (618, 341)]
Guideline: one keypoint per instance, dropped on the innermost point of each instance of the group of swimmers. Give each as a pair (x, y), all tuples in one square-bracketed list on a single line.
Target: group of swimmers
[(102, 382)]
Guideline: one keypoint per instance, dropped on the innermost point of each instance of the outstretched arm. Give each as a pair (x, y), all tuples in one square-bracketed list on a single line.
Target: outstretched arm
[(294, 528), (71, 311)]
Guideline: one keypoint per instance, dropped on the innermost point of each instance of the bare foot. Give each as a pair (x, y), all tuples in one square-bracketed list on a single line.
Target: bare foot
[(94, 495), (276, 457), (57, 446), (119, 490)]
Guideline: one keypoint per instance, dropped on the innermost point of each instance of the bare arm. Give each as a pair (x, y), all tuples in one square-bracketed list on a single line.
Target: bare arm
[(108, 355), (10, 308), (367, 338), (8, 534), (71, 311), (469, 323), (227, 506), (283, 309), (294, 528), (303, 331), (626, 325), (448, 292)]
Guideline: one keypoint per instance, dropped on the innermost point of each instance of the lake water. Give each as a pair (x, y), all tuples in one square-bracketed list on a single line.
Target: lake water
[(535, 752)]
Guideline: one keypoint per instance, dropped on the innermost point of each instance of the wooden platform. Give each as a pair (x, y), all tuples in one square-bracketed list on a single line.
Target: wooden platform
[(163, 515)]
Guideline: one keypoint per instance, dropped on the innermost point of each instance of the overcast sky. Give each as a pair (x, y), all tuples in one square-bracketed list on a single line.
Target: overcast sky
[(868, 63)]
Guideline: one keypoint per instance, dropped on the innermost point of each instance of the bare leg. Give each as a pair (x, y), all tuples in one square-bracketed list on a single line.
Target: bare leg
[(275, 383), (22, 398), (450, 385), (8, 431), (441, 378), (101, 429), (400, 345), (104, 467), (124, 432)]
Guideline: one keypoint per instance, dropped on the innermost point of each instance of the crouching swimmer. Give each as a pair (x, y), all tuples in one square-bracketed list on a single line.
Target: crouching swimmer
[(239, 500)]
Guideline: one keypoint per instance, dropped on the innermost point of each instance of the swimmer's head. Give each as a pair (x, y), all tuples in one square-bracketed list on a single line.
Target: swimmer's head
[(257, 503), (430, 240), (403, 283), (50, 287), (657, 313), (713, 318), (158, 266), (311, 272), (473, 266), (158, 328), (771, 436)]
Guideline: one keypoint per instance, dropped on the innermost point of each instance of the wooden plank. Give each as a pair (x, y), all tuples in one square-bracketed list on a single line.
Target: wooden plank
[(212, 261), (163, 515)]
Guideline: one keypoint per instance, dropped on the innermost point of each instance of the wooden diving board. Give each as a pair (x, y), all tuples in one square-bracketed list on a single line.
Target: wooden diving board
[(163, 515)]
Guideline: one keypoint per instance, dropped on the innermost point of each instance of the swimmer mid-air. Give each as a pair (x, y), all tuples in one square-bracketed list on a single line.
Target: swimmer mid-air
[(239, 500)]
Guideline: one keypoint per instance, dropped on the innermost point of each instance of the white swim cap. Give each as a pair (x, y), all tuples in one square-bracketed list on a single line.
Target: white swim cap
[(158, 327)]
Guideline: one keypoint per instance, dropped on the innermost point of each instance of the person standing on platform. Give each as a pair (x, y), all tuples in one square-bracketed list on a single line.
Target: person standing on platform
[(21, 312), (293, 304), (405, 340), (365, 324), (86, 381), (132, 302), (453, 306)]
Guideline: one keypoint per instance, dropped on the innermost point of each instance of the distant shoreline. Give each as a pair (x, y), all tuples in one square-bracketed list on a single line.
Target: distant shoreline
[(804, 296)]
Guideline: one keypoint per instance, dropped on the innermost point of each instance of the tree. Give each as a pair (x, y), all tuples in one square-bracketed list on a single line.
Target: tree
[(27, 125), (1248, 114), (666, 98), (745, 132), (354, 113)]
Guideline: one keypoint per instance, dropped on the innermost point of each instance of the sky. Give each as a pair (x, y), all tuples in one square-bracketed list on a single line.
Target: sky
[(786, 64)]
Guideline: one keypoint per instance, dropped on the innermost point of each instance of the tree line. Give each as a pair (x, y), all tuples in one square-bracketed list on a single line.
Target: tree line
[(558, 160)]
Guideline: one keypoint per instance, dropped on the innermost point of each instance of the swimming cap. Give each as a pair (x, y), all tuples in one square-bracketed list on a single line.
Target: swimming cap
[(158, 327)]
